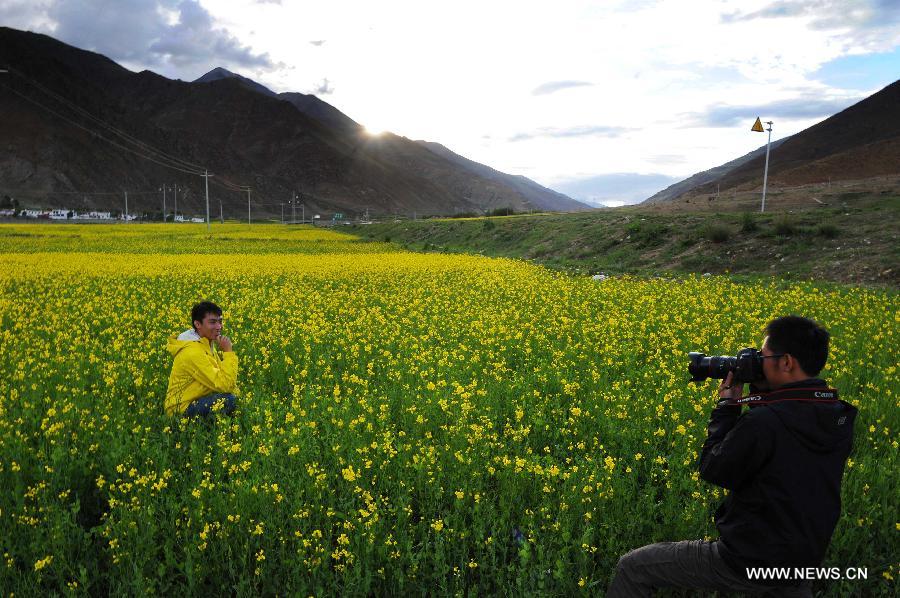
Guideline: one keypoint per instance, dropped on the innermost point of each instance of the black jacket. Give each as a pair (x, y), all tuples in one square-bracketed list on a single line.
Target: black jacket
[(782, 464)]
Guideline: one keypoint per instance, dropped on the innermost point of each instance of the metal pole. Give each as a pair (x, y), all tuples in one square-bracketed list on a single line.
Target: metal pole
[(282, 212), (221, 214), (176, 203), (164, 203), (294, 208), (126, 206), (206, 180), (248, 206), (766, 171), (303, 214)]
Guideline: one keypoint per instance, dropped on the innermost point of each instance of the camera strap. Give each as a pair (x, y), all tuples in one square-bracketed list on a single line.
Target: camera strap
[(810, 395)]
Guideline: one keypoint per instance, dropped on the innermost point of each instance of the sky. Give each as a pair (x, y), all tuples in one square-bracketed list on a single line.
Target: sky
[(607, 101)]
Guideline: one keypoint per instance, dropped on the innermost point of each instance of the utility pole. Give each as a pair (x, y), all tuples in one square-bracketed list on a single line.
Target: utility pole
[(126, 206), (206, 176), (766, 172), (293, 207), (303, 213), (176, 203), (164, 202), (282, 212), (248, 206), (758, 128), (221, 214)]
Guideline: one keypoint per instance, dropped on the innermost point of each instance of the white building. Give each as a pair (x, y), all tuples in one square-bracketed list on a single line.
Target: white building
[(59, 214), (94, 216)]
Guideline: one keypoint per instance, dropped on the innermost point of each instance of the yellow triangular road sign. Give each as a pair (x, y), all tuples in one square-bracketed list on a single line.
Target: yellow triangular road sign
[(757, 126)]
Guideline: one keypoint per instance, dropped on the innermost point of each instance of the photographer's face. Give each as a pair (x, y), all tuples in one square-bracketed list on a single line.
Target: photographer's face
[(773, 366)]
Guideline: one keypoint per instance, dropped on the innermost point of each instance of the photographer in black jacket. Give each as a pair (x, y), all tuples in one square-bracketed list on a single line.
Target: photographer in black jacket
[(781, 461)]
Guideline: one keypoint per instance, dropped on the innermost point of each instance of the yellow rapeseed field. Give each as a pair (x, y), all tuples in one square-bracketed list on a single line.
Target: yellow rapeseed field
[(407, 422)]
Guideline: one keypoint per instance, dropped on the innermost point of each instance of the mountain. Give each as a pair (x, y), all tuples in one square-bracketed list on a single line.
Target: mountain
[(614, 189), (306, 103), (322, 111), (80, 131), (540, 197), (861, 142), (219, 73), (708, 176)]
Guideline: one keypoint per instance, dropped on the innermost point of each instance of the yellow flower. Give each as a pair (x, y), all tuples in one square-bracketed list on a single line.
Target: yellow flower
[(349, 474), (44, 562)]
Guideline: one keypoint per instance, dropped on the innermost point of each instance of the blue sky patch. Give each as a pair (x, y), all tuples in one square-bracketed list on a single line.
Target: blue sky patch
[(863, 72)]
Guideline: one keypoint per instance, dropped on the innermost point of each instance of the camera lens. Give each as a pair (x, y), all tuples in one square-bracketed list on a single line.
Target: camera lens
[(701, 367)]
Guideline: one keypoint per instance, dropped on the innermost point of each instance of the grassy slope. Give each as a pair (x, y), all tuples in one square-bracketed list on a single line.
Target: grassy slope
[(852, 241)]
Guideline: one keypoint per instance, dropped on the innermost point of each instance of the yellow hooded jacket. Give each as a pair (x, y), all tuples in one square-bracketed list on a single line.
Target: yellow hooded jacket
[(197, 371)]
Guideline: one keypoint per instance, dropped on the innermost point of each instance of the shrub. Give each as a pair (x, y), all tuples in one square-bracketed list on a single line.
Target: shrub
[(748, 223), (827, 230), (648, 234), (501, 212), (784, 227), (717, 233)]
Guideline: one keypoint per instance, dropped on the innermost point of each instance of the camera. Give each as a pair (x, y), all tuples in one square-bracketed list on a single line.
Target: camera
[(747, 366)]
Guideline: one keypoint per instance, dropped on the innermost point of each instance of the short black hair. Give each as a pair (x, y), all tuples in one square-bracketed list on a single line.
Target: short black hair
[(805, 340), (199, 311)]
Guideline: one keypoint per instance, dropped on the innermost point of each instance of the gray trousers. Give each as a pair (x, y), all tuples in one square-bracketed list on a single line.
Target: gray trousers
[(692, 564)]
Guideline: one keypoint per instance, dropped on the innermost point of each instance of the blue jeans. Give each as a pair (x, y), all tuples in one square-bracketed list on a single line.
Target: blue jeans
[(203, 406)]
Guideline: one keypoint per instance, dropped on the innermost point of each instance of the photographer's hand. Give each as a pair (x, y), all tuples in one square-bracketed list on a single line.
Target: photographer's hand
[(728, 390)]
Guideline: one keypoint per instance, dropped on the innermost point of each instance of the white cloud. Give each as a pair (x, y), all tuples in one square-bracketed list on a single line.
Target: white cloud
[(554, 86), (177, 38)]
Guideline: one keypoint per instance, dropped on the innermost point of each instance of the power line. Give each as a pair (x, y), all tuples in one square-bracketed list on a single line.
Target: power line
[(93, 132), (147, 151), (141, 144)]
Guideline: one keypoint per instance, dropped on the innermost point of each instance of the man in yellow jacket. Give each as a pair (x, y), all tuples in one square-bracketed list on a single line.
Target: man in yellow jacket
[(204, 371)]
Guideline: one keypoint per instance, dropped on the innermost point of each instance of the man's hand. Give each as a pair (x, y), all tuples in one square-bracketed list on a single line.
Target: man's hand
[(224, 343), (728, 390)]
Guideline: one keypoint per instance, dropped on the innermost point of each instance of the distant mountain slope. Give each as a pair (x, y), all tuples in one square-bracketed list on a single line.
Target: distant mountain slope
[(57, 154), (708, 176), (541, 197), (538, 196), (219, 73), (858, 143), (306, 103), (811, 155), (322, 111)]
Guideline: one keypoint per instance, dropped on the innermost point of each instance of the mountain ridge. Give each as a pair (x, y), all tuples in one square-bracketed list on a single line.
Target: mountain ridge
[(63, 98), (858, 143)]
